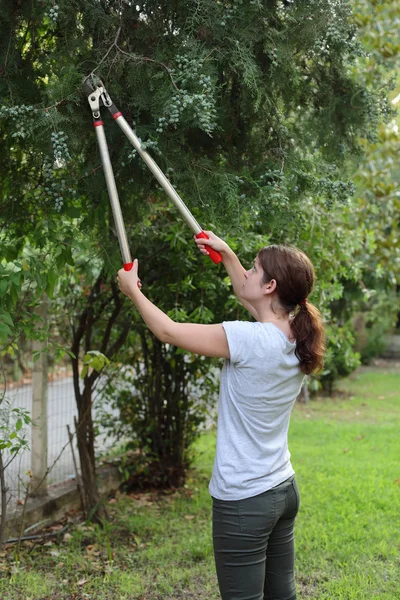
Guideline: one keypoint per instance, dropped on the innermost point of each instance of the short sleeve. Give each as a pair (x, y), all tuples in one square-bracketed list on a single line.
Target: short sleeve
[(240, 336)]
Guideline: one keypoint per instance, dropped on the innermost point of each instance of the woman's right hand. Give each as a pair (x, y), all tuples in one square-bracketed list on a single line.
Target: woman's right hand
[(214, 242)]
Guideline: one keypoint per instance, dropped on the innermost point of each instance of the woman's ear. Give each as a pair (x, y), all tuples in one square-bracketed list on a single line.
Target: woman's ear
[(270, 286)]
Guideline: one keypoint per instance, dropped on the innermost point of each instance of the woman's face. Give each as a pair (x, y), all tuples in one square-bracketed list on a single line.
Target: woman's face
[(252, 288)]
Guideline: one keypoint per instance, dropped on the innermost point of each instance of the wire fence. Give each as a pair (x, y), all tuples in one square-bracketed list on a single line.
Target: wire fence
[(61, 410)]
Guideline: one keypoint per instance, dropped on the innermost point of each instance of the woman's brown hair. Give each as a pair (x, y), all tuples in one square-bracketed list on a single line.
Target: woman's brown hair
[(294, 275)]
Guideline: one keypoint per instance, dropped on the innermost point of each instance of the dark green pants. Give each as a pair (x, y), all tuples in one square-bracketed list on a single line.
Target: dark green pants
[(254, 544)]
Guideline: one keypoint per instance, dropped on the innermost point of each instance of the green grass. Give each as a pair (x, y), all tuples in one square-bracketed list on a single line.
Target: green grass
[(346, 453)]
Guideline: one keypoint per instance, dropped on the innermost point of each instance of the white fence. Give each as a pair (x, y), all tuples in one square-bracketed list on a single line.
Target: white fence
[(61, 410)]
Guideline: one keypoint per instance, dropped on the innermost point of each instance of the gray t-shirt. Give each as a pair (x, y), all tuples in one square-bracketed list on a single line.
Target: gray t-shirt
[(259, 385)]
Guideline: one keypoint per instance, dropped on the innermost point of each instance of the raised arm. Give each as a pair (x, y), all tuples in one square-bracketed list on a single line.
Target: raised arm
[(207, 340), (232, 265)]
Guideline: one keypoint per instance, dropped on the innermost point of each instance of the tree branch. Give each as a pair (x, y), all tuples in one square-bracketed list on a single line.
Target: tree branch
[(107, 53), (147, 59), (113, 317)]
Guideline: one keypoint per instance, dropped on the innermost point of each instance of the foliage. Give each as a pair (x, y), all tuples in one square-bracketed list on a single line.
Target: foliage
[(12, 442), (341, 359), (29, 267), (12, 435), (254, 118), (94, 360), (374, 215), (266, 109), (256, 112)]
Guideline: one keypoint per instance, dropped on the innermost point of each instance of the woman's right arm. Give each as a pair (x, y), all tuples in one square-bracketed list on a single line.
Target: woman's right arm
[(232, 265)]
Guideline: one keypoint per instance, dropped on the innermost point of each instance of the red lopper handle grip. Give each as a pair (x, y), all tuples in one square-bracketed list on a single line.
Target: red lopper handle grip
[(128, 267), (215, 256)]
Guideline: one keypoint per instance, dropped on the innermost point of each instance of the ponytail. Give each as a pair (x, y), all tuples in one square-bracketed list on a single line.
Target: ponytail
[(294, 275), (308, 330)]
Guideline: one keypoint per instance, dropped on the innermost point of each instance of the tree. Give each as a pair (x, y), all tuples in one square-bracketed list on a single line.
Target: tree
[(253, 109), (371, 304)]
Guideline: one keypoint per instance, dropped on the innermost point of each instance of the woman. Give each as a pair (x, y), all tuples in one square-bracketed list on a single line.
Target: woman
[(254, 492)]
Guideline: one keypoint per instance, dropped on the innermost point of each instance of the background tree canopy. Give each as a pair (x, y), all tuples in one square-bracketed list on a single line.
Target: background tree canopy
[(251, 108), (260, 113)]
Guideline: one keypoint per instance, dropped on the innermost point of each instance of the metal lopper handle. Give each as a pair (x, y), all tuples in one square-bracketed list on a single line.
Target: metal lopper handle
[(215, 256)]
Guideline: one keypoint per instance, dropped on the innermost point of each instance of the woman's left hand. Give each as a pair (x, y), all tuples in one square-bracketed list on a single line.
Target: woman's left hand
[(128, 281)]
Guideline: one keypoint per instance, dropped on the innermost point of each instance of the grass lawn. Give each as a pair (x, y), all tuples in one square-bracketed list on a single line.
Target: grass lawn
[(346, 453)]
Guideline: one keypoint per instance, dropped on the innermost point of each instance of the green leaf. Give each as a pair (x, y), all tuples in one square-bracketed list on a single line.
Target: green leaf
[(10, 253), (13, 294), (51, 282), (3, 286), (96, 360), (36, 356), (97, 364), (84, 372), (68, 256), (5, 331), (87, 359), (16, 279), (60, 261), (73, 212), (6, 317), (18, 425)]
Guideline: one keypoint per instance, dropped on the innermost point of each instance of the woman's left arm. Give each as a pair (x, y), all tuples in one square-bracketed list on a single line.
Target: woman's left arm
[(207, 340)]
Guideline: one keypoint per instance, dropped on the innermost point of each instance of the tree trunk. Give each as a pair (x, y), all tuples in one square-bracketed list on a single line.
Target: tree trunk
[(94, 510), (94, 507), (82, 336)]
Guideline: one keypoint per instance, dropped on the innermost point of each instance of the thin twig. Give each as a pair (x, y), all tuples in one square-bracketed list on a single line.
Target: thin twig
[(107, 53), (147, 59), (13, 456), (8, 52), (29, 492), (209, 54), (48, 470), (78, 477), (48, 108), (5, 70), (3, 372), (21, 529)]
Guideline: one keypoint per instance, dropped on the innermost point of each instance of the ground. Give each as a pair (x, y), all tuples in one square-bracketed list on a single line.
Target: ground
[(158, 545)]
